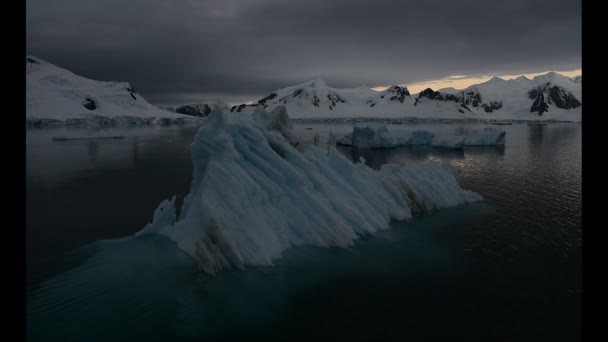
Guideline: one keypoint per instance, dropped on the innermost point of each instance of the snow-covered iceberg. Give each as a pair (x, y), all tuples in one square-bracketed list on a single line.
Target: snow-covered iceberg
[(255, 194), (374, 135)]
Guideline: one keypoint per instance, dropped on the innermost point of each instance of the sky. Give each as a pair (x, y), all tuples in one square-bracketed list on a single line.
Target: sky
[(182, 51)]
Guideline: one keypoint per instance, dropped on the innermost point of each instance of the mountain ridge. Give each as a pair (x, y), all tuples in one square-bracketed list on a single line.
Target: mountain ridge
[(496, 98)]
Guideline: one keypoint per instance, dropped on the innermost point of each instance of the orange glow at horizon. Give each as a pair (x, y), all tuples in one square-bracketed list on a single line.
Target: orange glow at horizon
[(461, 81)]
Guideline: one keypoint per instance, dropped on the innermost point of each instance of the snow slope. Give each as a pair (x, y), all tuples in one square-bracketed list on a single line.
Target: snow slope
[(494, 99), (254, 194), (58, 94)]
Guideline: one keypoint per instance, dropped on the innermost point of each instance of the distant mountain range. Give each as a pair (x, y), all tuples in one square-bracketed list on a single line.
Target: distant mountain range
[(545, 97), (56, 94)]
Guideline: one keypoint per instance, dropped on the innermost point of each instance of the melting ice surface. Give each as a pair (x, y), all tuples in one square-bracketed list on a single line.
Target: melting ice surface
[(255, 195)]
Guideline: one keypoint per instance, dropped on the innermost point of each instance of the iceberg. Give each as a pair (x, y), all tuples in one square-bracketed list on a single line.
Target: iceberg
[(449, 141), (372, 135), (256, 193)]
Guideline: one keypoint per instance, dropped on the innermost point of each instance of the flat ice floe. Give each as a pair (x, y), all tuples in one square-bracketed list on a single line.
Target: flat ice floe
[(254, 194), (374, 135)]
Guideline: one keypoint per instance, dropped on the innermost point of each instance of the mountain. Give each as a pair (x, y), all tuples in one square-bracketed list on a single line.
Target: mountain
[(545, 97), (54, 94), (201, 109), (551, 95)]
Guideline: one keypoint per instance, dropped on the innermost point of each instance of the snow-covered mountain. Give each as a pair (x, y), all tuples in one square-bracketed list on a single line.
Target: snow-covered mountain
[(53, 93), (545, 97), (200, 109)]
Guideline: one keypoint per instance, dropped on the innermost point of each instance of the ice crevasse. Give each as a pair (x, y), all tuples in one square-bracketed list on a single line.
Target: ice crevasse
[(255, 193)]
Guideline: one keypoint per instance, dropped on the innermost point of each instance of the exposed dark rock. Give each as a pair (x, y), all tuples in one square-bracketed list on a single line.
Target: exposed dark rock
[(89, 104), (232, 108), (267, 98), (297, 92), (241, 107), (548, 94), (429, 94), (539, 104), (533, 94), (194, 110), (31, 60), (471, 97), (373, 104), (563, 98), (494, 105), (460, 110), (334, 98), (132, 92), (315, 101), (465, 107), (400, 93)]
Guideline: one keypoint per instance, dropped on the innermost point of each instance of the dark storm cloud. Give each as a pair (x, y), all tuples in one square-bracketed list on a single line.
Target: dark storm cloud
[(178, 50)]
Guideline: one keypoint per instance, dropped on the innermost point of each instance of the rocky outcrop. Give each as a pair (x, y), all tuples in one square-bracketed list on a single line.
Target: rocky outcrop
[(492, 106), (89, 104), (435, 95), (550, 94), (202, 110), (397, 93)]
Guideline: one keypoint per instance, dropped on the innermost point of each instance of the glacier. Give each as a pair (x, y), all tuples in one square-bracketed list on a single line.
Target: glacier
[(376, 135), (256, 192)]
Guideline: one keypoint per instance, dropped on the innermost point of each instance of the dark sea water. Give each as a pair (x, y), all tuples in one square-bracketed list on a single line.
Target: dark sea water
[(505, 269)]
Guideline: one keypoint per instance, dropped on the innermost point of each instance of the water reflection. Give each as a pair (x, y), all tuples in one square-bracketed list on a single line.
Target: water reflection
[(80, 191), (505, 267), (92, 149), (405, 155)]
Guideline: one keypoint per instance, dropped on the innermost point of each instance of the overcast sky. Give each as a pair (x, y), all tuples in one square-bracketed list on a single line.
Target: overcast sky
[(176, 51)]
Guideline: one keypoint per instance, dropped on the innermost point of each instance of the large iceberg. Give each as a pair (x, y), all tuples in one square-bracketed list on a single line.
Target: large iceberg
[(256, 193), (373, 135)]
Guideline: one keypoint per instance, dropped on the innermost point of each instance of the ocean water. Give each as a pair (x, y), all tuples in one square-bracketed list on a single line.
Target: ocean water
[(505, 269)]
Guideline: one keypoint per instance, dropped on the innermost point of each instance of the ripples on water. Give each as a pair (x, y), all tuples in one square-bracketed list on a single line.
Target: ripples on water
[(505, 269)]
